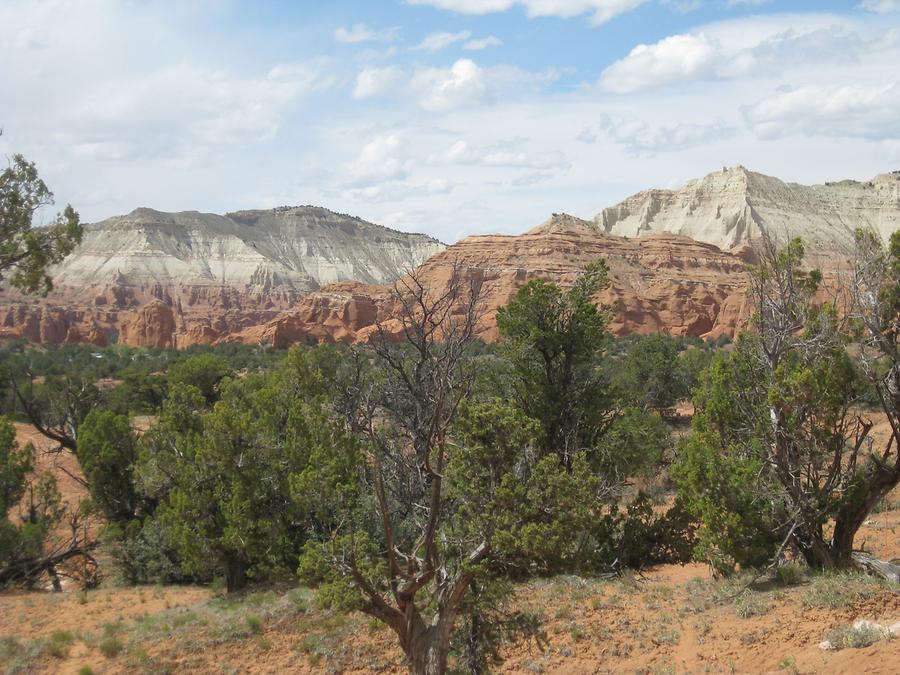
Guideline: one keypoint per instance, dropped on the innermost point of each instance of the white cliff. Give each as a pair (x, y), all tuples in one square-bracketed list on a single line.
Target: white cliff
[(729, 208)]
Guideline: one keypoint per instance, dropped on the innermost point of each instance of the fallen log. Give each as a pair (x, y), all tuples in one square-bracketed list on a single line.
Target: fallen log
[(881, 568)]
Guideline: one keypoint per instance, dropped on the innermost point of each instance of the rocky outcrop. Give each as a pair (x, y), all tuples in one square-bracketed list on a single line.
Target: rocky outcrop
[(298, 274), (152, 326), (732, 207), (216, 274), (659, 283)]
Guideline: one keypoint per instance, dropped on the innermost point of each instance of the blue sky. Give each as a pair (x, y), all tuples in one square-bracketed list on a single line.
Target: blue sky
[(451, 117)]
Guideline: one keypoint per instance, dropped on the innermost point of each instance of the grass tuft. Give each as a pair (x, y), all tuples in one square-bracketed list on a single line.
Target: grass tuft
[(790, 574), (110, 646), (855, 637), (836, 591), (254, 623)]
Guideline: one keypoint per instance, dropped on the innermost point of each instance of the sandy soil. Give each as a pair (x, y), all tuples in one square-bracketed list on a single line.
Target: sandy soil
[(672, 620)]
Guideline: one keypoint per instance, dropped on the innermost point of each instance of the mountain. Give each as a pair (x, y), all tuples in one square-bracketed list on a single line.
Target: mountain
[(732, 207), (658, 283), (214, 274), (676, 257)]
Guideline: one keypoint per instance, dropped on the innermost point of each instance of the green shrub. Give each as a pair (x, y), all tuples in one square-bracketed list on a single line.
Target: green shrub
[(834, 591), (110, 646), (85, 670), (855, 637), (750, 604), (58, 643), (790, 574), (254, 623)]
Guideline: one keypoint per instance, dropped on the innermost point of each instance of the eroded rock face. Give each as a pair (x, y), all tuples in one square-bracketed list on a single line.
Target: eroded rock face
[(659, 283), (307, 274), (153, 325), (732, 207), (217, 274)]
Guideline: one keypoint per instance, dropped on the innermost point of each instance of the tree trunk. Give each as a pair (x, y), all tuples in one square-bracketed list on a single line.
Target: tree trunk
[(873, 488), (428, 649), (427, 655), (235, 574)]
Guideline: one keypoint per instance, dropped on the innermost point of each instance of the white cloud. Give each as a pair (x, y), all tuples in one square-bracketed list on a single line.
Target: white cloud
[(483, 43), (435, 42), (881, 6), (182, 105), (373, 81), (505, 154), (30, 39), (745, 48), (675, 58), (601, 11), (640, 138), (381, 160), (360, 32), (465, 83), (451, 146), (852, 111), (683, 6), (467, 6)]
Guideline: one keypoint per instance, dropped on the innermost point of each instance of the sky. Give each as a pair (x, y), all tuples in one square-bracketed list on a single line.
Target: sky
[(449, 117)]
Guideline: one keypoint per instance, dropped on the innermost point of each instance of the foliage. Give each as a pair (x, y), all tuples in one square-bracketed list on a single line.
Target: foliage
[(240, 484), (632, 446), (107, 453), (141, 392), (641, 537), (15, 463), (405, 412), (855, 637), (144, 554), (22, 555), (533, 510), (554, 340), (719, 470), (777, 453), (203, 371), (487, 623), (790, 574), (25, 251), (651, 376)]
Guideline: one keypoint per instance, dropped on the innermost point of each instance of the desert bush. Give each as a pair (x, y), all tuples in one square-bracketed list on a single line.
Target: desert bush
[(835, 591), (855, 637), (110, 646), (790, 574), (749, 604), (254, 623)]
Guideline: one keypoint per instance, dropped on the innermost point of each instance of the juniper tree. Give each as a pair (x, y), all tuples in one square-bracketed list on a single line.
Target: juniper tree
[(454, 492), (31, 510), (26, 251), (238, 484), (555, 339), (781, 451)]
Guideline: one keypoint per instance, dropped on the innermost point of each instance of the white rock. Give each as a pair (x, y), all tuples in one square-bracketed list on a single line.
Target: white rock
[(731, 207)]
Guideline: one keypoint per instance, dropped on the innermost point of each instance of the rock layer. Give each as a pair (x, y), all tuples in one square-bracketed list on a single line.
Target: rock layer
[(659, 283), (732, 207), (307, 274), (214, 274)]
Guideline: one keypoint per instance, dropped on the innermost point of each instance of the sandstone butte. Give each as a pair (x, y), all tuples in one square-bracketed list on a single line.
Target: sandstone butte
[(677, 260)]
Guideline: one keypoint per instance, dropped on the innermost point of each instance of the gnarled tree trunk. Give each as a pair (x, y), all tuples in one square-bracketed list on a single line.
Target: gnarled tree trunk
[(429, 648)]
